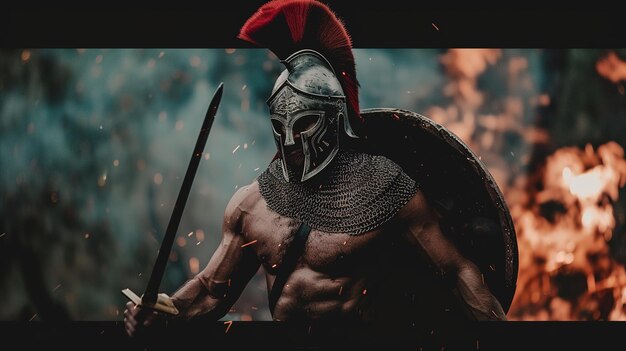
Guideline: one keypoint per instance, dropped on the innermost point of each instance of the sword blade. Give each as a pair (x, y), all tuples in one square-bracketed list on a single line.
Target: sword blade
[(151, 293)]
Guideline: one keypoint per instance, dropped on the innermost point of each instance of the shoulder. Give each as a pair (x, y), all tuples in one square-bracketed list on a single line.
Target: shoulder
[(243, 200), (416, 209)]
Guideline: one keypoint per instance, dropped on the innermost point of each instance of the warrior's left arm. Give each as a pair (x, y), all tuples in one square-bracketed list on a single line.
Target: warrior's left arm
[(423, 232)]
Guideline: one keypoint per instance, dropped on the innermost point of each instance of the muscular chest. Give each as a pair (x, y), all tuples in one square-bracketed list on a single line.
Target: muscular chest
[(328, 253)]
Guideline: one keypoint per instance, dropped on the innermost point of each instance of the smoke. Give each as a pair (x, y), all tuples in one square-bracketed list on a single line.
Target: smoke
[(94, 145)]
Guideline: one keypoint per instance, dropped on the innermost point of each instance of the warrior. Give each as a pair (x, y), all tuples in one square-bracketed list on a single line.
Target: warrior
[(336, 222)]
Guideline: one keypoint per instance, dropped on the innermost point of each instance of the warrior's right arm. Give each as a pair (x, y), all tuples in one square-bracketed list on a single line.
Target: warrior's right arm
[(213, 291)]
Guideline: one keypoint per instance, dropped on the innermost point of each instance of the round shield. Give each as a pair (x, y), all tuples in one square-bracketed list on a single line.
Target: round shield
[(457, 184)]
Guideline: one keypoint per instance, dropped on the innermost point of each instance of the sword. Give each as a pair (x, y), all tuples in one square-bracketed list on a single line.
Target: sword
[(151, 298)]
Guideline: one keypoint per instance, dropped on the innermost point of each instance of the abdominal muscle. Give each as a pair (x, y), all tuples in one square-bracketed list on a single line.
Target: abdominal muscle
[(310, 295)]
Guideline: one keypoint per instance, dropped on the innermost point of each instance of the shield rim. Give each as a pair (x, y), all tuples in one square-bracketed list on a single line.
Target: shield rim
[(490, 186)]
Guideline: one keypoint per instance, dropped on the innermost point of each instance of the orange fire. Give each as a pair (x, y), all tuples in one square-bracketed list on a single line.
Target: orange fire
[(566, 270), (612, 68), (562, 211)]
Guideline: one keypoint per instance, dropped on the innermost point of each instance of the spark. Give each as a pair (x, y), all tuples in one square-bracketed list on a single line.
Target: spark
[(274, 265), (86, 235), (483, 278), (3, 234), (340, 289), (102, 179), (253, 141), (435, 26), (244, 87), (198, 243), (345, 242), (140, 274), (56, 288), (250, 243), (494, 313), (364, 291), (237, 148), (256, 169), (158, 178), (190, 234), (33, 317), (228, 327), (492, 267)]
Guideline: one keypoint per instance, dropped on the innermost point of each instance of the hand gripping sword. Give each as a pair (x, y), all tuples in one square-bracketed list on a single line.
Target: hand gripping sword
[(151, 298)]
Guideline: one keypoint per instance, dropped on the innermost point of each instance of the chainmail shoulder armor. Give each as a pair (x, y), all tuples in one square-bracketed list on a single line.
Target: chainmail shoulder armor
[(356, 194)]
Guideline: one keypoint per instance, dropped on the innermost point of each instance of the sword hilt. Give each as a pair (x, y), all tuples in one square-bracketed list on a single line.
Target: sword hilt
[(163, 304)]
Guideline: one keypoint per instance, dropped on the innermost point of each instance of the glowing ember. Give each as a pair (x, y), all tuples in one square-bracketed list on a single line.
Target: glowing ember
[(158, 178), (612, 68), (102, 179), (199, 234), (194, 265), (250, 243), (435, 26), (228, 323)]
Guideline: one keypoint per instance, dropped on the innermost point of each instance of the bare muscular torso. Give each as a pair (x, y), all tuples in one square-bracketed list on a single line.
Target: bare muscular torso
[(335, 276)]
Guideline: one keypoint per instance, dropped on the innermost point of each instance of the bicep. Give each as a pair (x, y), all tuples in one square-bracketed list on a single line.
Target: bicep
[(424, 233), (231, 265)]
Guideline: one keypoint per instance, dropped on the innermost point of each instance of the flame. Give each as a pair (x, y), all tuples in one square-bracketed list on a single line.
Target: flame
[(566, 271), (612, 68), (562, 210)]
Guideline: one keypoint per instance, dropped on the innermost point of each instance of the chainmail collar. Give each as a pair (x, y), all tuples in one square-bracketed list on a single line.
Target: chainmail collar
[(356, 193)]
